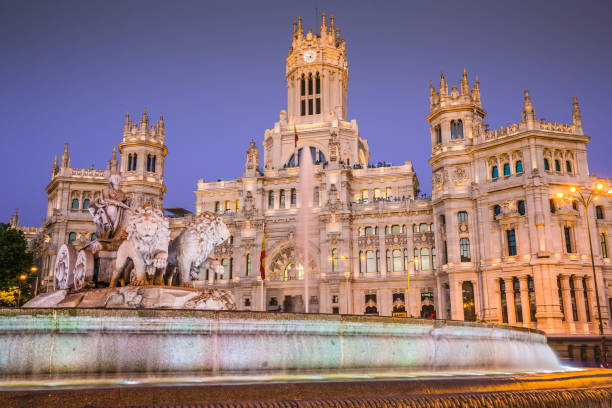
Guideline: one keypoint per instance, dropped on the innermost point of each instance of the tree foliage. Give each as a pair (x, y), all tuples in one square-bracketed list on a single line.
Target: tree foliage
[(14, 257)]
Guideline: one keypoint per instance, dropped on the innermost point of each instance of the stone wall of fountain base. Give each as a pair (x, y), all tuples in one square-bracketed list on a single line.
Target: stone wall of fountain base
[(107, 341)]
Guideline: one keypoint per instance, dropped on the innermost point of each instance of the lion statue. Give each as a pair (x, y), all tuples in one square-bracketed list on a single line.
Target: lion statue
[(146, 246), (191, 248)]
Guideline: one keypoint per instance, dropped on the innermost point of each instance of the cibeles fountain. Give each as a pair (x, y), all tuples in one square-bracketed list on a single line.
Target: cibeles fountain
[(133, 250), (125, 306)]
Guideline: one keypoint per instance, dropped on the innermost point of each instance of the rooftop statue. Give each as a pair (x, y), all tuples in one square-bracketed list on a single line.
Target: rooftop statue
[(110, 210)]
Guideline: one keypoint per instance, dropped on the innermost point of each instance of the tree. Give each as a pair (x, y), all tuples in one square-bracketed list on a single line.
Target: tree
[(14, 257)]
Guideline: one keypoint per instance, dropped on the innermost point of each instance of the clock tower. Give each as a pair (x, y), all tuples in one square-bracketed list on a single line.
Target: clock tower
[(317, 74)]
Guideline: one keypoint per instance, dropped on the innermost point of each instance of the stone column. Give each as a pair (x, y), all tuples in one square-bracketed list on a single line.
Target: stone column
[(567, 302), (590, 292), (510, 301), (456, 297), (525, 300), (383, 252), (579, 290)]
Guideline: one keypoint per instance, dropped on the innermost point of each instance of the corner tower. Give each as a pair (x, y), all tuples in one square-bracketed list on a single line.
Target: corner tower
[(317, 74), (143, 151)]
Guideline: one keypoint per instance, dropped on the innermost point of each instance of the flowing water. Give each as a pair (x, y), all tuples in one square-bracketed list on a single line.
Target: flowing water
[(305, 219)]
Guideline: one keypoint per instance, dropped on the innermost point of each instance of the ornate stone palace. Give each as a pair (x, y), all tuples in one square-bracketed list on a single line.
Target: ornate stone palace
[(492, 243)]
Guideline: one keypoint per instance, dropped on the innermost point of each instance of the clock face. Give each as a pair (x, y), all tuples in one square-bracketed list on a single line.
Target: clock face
[(310, 55)]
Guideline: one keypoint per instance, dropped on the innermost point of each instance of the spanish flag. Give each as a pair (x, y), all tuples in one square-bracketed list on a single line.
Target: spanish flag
[(296, 136), (262, 257)]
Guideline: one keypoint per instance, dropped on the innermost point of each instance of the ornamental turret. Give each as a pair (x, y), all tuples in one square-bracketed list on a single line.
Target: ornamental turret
[(577, 116), (455, 116), (252, 160)]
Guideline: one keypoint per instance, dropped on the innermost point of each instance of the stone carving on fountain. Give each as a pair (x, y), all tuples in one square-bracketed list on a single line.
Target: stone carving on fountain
[(192, 247), (133, 250)]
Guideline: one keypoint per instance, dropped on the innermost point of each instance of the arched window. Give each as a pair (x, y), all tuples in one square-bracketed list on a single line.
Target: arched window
[(370, 262), (494, 172), (270, 199), (469, 307), (388, 258), (546, 164), (377, 260), (506, 169), (361, 232), (551, 204), (318, 94), (573, 298), (557, 165), (453, 130), (587, 306), (518, 307), (129, 166), (438, 132), (532, 299), (521, 207), (404, 229), (425, 264), (444, 253), (217, 207), (599, 212), (518, 167), (395, 229), (293, 197), (567, 233), (414, 228), (604, 245), (133, 163), (248, 264), (86, 203), (148, 162), (75, 204), (462, 216), (387, 231), (423, 227), (94, 236), (496, 210), (369, 230), (504, 304), (568, 167), (442, 219), (459, 129), (334, 260), (153, 164), (434, 265), (71, 237), (375, 230), (464, 250), (397, 260), (575, 205), (302, 87), (227, 205), (362, 262), (281, 202), (225, 265), (406, 260)]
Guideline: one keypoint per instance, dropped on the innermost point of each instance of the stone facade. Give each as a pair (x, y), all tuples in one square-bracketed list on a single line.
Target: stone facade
[(492, 243)]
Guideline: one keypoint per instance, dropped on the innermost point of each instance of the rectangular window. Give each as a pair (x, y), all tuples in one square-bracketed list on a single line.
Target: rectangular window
[(464, 250), (318, 106), (310, 106), (568, 239), (318, 85), (604, 246), (303, 87), (511, 236), (303, 109), (310, 86)]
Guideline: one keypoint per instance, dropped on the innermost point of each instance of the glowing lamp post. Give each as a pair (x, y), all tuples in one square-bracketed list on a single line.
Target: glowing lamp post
[(22, 277), (585, 196)]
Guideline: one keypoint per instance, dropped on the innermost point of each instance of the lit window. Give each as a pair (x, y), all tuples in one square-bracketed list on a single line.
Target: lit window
[(281, 202), (334, 260), (415, 259), (425, 265), (604, 245), (397, 260)]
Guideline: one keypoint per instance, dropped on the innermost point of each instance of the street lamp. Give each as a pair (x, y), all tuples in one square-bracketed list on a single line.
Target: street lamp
[(34, 269), (586, 196), (22, 277)]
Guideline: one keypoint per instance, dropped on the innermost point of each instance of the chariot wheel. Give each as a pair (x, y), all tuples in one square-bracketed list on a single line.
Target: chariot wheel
[(83, 269), (63, 272)]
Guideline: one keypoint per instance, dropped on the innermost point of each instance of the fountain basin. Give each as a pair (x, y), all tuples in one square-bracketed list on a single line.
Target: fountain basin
[(90, 341)]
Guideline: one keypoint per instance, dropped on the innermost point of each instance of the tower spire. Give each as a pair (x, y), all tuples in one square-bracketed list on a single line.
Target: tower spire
[(113, 162), (576, 114), (54, 168), (443, 90), (323, 24), (465, 83), (529, 113), (65, 157)]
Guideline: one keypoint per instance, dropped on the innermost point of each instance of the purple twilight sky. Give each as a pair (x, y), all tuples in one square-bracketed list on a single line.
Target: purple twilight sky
[(71, 69)]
